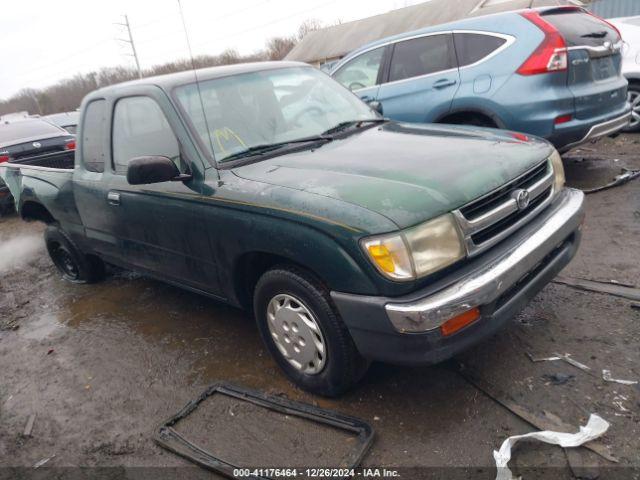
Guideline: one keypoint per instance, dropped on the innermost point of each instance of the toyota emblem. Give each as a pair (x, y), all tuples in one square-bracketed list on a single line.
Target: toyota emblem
[(36, 144), (522, 198)]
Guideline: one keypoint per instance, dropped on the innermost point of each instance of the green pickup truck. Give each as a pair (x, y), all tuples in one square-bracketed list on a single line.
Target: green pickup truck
[(270, 187)]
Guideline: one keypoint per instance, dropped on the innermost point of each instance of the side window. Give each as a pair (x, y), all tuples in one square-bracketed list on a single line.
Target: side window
[(473, 47), (362, 71), (141, 129), (93, 132), (421, 56)]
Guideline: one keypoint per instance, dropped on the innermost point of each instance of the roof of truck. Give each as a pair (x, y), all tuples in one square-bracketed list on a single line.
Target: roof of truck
[(168, 81)]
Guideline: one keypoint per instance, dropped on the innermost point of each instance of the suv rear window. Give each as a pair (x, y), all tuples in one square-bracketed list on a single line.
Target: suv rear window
[(580, 29), (473, 47)]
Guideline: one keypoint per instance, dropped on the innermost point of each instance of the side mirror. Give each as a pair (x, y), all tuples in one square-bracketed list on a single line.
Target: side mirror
[(377, 106), (153, 169)]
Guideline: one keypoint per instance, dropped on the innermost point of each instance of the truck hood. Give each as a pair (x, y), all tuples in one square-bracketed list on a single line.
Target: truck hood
[(408, 173)]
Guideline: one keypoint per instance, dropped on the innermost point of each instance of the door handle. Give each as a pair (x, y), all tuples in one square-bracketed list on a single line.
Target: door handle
[(444, 83), (113, 198)]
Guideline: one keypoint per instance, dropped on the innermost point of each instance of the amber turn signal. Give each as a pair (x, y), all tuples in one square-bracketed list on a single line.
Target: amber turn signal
[(455, 324)]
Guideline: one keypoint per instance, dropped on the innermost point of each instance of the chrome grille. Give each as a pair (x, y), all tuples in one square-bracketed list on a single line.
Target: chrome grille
[(491, 218)]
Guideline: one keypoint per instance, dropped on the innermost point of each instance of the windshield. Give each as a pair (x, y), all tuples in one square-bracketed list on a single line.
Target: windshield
[(268, 107)]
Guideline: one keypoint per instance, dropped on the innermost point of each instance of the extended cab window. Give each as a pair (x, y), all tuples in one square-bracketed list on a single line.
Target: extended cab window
[(422, 56), (473, 47), (93, 136), (141, 129), (362, 71)]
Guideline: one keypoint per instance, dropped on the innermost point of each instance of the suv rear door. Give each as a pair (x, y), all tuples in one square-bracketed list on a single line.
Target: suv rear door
[(594, 61), (421, 78)]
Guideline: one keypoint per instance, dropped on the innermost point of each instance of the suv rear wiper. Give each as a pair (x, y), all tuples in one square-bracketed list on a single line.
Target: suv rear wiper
[(600, 34), (269, 147), (352, 123)]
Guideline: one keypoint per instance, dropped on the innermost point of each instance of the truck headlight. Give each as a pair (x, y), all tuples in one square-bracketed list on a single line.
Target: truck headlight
[(416, 251), (558, 171)]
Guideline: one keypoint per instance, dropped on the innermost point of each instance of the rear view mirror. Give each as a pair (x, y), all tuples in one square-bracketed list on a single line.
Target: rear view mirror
[(377, 106), (152, 169)]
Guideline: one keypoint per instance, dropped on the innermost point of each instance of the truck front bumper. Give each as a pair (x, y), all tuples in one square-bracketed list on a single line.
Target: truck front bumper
[(500, 283)]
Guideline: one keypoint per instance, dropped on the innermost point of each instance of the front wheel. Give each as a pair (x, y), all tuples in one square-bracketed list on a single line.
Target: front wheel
[(304, 332), (73, 265), (633, 96)]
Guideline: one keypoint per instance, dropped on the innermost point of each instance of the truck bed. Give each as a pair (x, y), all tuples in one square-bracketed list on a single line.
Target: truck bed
[(49, 175)]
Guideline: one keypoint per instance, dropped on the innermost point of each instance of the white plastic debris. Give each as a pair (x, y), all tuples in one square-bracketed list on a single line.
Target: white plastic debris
[(606, 376), (595, 427), (566, 357)]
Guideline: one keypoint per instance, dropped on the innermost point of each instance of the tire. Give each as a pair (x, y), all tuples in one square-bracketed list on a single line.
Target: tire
[(633, 95), (73, 265), (302, 299)]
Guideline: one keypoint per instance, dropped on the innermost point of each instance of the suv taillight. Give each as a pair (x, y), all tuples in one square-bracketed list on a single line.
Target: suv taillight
[(71, 145), (551, 54), (4, 158)]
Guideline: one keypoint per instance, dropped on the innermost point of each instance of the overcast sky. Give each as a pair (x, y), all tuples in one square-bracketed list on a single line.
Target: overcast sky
[(44, 41)]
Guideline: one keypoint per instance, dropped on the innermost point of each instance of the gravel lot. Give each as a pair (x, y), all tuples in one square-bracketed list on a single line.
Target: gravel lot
[(101, 366)]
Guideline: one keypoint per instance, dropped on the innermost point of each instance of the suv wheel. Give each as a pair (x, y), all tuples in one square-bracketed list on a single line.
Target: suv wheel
[(633, 95), (304, 332), (74, 266)]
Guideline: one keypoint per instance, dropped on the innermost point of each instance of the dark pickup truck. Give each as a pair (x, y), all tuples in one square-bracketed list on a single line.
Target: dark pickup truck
[(271, 187)]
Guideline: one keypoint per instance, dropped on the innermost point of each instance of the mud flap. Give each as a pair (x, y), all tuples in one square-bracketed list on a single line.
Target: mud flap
[(167, 437)]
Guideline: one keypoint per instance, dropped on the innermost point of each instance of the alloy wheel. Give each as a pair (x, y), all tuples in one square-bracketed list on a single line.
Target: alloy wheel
[(634, 99)]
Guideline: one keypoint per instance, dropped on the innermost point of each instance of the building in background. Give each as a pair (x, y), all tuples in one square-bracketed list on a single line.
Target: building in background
[(615, 8), (329, 44)]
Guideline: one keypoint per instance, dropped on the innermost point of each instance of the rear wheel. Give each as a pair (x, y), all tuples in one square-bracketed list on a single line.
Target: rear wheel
[(305, 333), (633, 96), (470, 118), (72, 264)]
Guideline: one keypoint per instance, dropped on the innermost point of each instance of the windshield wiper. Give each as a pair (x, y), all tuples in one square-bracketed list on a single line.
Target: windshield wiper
[(269, 147), (600, 34), (352, 123)]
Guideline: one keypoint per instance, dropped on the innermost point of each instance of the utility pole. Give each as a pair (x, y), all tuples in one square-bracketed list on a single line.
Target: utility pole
[(130, 42)]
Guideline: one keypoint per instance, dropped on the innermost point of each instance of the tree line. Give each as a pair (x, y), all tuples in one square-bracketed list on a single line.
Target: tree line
[(67, 94)]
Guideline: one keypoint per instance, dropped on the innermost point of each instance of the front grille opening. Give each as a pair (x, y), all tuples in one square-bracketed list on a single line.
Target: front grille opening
[(524, 281), (487, 203), (510, 220)]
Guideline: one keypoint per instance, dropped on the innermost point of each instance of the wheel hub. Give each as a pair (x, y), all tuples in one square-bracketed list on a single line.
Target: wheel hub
[(65, 262), (296, 334), (634, 100)]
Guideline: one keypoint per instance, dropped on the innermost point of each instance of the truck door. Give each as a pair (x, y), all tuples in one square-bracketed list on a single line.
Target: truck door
[(422, 79), (90, 182), (161, 228)]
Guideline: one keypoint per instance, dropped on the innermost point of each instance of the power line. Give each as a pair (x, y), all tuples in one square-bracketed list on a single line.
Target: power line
[(64, 59), (256, 27)]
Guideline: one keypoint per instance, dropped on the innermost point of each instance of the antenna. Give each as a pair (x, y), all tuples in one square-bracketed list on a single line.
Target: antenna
[(195, 74)]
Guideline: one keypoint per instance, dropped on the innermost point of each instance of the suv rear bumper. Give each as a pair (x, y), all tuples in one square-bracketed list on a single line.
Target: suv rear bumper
[(572, 136), (500, 282)]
